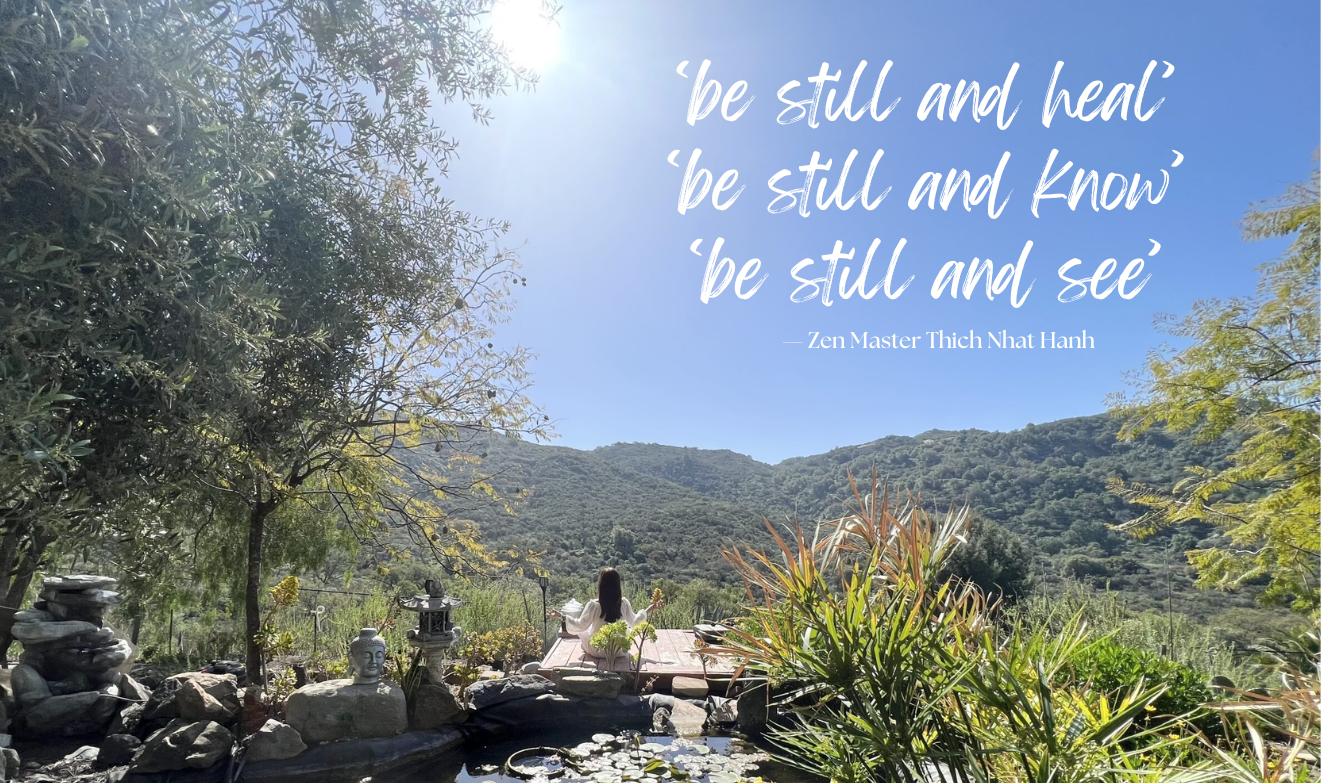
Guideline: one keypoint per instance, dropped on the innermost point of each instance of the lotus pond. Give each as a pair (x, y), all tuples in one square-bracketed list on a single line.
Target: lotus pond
[(628, 757)]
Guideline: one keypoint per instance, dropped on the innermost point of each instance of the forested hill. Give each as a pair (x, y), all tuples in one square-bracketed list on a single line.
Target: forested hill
[(663, 511)]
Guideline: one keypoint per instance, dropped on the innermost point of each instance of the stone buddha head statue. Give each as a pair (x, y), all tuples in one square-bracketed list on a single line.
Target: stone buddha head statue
[(367, 657)]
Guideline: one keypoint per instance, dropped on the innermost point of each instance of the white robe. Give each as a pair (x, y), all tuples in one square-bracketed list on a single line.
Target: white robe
[(591, 619)]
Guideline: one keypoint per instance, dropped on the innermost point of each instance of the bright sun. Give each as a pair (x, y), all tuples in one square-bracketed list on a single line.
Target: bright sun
[(522, 27)]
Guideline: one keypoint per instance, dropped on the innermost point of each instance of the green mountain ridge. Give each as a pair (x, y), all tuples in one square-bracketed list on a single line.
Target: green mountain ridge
[(663, 512)]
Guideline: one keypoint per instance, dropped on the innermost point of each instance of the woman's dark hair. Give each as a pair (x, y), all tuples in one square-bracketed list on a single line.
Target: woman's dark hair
[(609, 593)]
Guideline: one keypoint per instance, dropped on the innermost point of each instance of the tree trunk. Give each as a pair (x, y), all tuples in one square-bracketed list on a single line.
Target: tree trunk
[(17, 580), (252, 593)]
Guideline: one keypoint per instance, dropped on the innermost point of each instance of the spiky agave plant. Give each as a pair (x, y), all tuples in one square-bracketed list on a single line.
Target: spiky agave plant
[(861, 639), (888, 672)]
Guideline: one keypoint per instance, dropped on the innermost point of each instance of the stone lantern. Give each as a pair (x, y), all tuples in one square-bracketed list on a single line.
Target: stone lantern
[(435, 632)]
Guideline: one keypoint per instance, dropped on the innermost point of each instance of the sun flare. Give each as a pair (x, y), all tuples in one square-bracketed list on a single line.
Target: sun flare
[(526, 31)]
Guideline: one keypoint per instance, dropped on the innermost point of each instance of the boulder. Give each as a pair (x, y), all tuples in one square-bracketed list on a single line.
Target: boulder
[(29, 686), (12, 761), (184, 745), (342, 709), (117, 750), (40, 633), (689, 687), (687, 719), (275, 741), (601, 685), (202, 696), (433, 706), (164, 701), (68, 716), (132, 690), (520, 686)]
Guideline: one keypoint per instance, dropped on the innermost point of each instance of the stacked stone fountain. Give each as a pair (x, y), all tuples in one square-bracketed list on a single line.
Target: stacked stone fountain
[(71, 678)]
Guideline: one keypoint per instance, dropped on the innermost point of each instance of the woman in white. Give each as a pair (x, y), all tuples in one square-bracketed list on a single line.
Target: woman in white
[(609, 606)]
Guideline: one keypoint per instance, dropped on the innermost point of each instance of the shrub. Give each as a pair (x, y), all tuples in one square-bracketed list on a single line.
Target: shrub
[(1115, 669), (505, 647), (1081, 566)]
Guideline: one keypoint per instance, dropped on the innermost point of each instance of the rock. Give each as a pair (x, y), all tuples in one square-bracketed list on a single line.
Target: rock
[(434, 706), (184, 745), (520, 686), (114, 655), (687, 719), (132, 690), (33, 616), (84, 754), (86, 660), (29, 686), (150, 675), (235, 668), (531, 668), (722, 710), (368, 758), (560, 672), (74, 683), (341, 709), (12, 761), (94, 597), (117, 750), (601, 685), (77, 582), (39, 633), (689, 688), (68, 716), (275, 741), (751, 708), (164, 703), (126, 722), (202, 696)]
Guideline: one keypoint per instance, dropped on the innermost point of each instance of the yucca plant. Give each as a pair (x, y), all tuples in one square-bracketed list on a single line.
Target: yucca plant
[(1031, 722), (886, 672), (861, 640)]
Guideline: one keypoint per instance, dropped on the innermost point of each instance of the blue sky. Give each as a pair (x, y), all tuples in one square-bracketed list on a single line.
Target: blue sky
[(628, 352)]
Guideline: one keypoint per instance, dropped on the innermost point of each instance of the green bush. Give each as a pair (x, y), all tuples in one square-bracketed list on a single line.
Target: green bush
[(1115, 669)]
